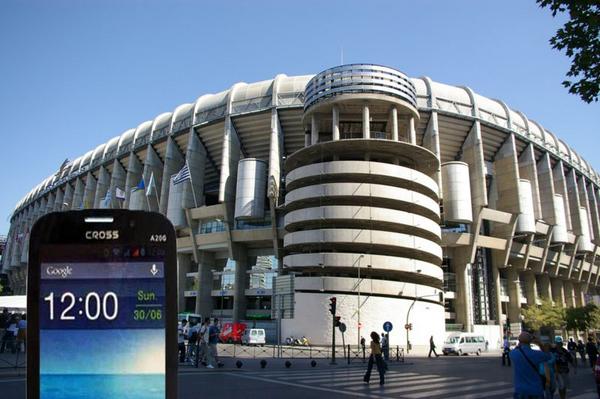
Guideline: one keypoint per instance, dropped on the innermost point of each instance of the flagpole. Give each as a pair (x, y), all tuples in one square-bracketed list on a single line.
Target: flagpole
[(192, 184), (156, 193)]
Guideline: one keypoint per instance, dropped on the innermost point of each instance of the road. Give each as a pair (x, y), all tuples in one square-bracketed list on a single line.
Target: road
[(449, 378)]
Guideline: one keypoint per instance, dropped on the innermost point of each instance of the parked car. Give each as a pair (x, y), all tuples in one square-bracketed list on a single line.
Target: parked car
[(464, 343), (231, 333), (254, 336)]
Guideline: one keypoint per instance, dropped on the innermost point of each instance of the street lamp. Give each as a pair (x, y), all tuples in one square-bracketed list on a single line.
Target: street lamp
[(407, 316)]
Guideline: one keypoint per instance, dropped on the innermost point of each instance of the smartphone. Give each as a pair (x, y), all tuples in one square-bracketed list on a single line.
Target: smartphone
[(102, 306)]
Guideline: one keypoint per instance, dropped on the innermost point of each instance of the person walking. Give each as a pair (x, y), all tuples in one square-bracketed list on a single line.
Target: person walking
[(385, 346), (592, 351), (505, 352), (563, 359), (363, 345), (432, 348), (181, 340), (5, 319), (526, 365), (581, 350), (572, 348), (376, 358), (203, 342), (548, 373), (213, 340)]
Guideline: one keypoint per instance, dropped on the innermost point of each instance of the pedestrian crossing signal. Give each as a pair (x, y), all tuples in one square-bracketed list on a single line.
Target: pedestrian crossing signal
[(336, 321)]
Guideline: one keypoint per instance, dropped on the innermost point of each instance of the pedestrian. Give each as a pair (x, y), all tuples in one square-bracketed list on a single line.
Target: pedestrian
[(548, 373), (505, 351), (363, 345), (5, 318), (22, 334), (597, 376), (581, 350), (385, 347), (526, 361), (592, 351), (192, 349), (376, 358), (432, 347), (213, 340), (563, 359), (181, 340), (572, 348)]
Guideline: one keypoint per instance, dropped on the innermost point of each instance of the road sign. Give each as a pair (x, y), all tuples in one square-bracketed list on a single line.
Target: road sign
[(283, 297), (342, 327), (387, 326)]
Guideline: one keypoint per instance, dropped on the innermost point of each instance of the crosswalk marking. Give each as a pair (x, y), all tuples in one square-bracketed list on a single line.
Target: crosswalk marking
[(355, 379), (482, 395), (388, 378), (394, 384), (426, 386), (452, 390)]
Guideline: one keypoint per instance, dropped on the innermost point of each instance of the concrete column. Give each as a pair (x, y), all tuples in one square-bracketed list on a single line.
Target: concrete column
[(472, 154), (58, 202), (496, 292), (593, 212), (574, 202), (546, 189), (184, 265), (528, 170), (558, 294), (579, 293), (335, 124), (464, 291), (229, 163), (569, 293), (314, 129), (514, 295), (89, 191), (560, 187), (394, 118), (431, 141), (102, 186), (530, 287), (51, 200), (77, 202), (67, 199), (366, 122), (306, 139), (240, 284), (412, 132), (204, 303), (134, 175), (544, 287), (196, 159), (153, 166), (117, 180), (173, 163)]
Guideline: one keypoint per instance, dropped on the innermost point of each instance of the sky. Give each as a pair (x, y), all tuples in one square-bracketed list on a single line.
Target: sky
[(74, 74)]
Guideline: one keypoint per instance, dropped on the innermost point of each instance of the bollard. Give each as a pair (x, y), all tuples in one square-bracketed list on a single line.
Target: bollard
[(348, 352), (288, 364), (313, 363), (238, 364), (263, 364)]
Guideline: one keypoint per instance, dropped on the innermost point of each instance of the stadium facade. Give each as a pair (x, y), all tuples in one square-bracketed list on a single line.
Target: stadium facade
[(408, 200)]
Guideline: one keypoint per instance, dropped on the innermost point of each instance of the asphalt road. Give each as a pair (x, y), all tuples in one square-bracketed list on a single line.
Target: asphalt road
[(446, 377)]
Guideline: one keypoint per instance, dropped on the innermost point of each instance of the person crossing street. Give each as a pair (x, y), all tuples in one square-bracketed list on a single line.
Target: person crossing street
[(432, 347)]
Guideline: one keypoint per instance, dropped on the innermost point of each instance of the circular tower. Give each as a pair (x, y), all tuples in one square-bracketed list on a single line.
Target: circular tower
[(362, 210)]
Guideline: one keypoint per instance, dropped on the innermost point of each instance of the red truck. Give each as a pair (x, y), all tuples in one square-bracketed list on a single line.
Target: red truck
[(231, 333)]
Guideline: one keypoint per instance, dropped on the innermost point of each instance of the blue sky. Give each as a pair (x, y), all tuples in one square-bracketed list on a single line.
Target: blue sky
[(75, 73), (128, 351)]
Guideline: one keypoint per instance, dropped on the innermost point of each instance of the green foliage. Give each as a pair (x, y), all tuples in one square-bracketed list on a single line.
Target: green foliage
[(579, 37), (545, 315)]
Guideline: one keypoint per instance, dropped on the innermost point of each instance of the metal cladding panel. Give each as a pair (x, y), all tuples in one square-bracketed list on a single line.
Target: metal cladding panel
[(559, 234), (526, 220), (251, 189), (585, 243), (456, 189), (175, 212)]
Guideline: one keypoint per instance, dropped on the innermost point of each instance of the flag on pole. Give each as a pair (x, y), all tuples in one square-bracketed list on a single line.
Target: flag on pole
[(119, 194), (182, 175), (140, 185), (151, 185)]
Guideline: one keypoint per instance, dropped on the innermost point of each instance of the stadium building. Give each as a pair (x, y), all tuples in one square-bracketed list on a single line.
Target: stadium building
[(408, 200)]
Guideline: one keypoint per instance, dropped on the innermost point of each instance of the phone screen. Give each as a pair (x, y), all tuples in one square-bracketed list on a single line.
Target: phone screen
[(102, 321)]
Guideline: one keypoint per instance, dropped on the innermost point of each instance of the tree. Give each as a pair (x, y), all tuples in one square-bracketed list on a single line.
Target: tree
[(545, 315), (579, 37)]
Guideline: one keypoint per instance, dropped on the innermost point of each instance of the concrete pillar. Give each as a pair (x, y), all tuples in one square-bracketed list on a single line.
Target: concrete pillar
[(472, 154), (67, 199), (58, 201), (240, 284), (528, 170), (514, 295), (117, 180), (204, 302), (89, 191), (173, 163), (335, 124), (230, 157), (134, 175), (569, 293), (412, 132), (102, 186), (431, 141), (366, 122), (560, 187), (394, 118), (497, 303), (464, 291), (574, 202), (558, 294), (184, 265), (51, 200), (153, 166), (306, 139), (579, 292), (530, 287), (78, 191), (314, 129), (196, 160), (546, 189), (544, 287)]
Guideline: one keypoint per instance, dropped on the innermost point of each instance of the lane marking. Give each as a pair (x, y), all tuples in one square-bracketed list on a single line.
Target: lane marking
[(455, 389), (414, 379), (428, 386)]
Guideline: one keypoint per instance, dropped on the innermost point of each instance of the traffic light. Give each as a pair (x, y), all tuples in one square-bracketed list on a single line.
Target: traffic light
[(336, 321), (332, 305)]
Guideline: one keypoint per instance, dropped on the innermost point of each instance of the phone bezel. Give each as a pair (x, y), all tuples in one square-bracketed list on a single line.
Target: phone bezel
[(69, 227)]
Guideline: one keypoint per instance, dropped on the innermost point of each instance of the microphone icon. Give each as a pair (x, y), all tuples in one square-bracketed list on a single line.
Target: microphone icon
[(154, 269)]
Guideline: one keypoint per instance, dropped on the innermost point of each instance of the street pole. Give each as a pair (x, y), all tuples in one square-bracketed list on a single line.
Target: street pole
[(333, 340), (358, 308), (407, 316)]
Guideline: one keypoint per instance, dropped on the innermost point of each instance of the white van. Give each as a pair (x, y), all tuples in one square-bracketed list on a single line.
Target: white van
[(254, 336), (463, 343)]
